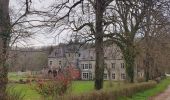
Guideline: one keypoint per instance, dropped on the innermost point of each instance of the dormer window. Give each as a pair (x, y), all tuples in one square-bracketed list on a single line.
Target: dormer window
[(59, 62), (83, 57), (51, 62), (113, 56), (113, 65), (55, 53)]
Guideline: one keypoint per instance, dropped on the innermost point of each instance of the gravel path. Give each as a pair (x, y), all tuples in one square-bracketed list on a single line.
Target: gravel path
[(163, 96)]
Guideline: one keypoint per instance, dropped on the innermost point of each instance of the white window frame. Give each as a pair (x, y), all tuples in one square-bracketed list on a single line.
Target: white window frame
[(123, 76), (113, 65), (122, 65), (50, 63), (90, 66), (90, 76), (86, 66), (59, 62), (85, 75), (113, 76), (82, 66)]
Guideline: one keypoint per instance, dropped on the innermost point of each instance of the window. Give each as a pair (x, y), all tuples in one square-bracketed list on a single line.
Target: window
[(51, 62), (86, 66), (82, 66), (59, 62), (105, 76), (90, 66), (123, 76), (114, 56), (90, 76), (113, 65), (113, 76), (85, 75), (55, 53), (79, 54), (122, 65)]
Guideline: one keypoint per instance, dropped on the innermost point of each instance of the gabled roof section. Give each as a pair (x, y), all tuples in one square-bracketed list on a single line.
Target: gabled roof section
[(60, 50)]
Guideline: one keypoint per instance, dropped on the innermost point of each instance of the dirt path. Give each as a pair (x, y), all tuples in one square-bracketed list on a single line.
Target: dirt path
[(163, 96)]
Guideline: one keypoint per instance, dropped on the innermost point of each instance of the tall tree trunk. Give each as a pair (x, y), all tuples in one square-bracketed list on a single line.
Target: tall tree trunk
[(99, 67), (129, 57), (147, 58), (4, 43), (146, 66)]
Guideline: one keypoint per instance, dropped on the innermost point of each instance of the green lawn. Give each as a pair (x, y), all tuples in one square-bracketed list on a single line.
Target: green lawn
[(79, 87), (26, 90), (14, 77), (151, 92), (82, 86)]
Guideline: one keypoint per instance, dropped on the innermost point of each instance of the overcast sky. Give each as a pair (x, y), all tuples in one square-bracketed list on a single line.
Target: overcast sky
[(39, 39)]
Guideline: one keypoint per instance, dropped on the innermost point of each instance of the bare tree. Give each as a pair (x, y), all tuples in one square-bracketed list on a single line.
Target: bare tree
[(128, 18), (77, 15), (5, 37), (4, 42), (156, 23)]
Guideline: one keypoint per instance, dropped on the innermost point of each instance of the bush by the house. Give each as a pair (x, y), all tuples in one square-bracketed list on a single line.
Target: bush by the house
[(55, 87), (141, 79)]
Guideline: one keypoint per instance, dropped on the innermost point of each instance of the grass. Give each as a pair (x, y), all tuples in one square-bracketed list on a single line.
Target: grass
[(13, 76), (79, 87), (151, 92), (26, 90)]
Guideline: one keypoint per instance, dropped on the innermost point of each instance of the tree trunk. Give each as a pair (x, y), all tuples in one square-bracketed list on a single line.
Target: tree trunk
[(129, 57), (146, 65), (4, 43), (99, 67)]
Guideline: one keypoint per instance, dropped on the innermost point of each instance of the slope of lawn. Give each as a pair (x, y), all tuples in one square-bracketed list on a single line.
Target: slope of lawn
[(26, 90), (12, 76), (82, 86), (78, 87), (151, 92)]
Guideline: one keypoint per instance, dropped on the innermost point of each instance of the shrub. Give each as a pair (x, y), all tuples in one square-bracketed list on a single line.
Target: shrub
[(21, 81), (111, 95), (140, 79), (54, 87)]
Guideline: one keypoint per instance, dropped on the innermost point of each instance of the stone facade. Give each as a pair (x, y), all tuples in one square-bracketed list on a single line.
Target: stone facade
[(84, 60)]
